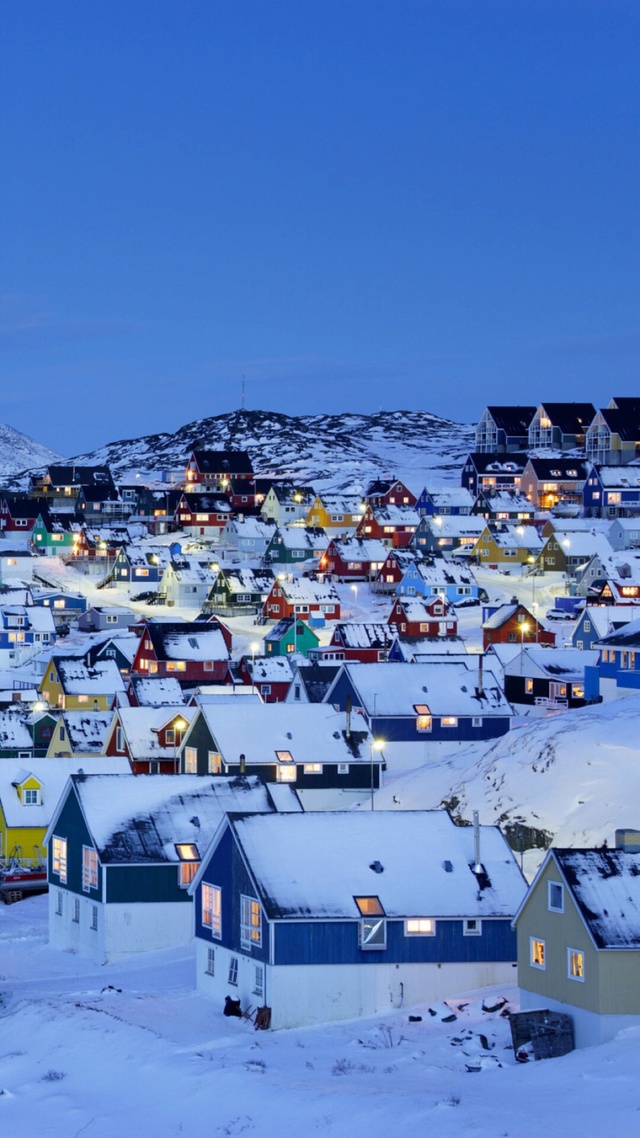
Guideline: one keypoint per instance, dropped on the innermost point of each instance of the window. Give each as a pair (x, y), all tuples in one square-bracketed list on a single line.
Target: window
[(59, 902), (94, 917), (212, 909), (89, 869), (472, 926), (555, 897), (449, 721), (313, 768), (31, 797), (369, 906), (210, 966), (214, 764), (59, 859), (343, 768), (476, 721), (528, 686), (191, 760), (76, 911), (189, 863), (586, 627), (420, 926), (373, 933), (537, 957), (575, 964), (265, 689), (258, 981), (250, 922), (233, 971), (286, 773)]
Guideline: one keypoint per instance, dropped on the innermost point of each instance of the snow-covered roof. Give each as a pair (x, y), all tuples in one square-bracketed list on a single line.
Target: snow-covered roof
[(270, 670), (87, 730), (552, 663), (302, 590), (360, 549), (455, 525), (78, 678), (52, 774), (456, 496), (13, 730), (157, 691), (441, 572), (142, 724), (141, 819), (605, 885), (362, 635), (310, 733), (315, 864), (628, 636), (500, 617), (619, 477), (445, 687)]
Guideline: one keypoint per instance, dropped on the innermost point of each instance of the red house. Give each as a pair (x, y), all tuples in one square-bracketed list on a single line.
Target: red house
[(390, 575), (215, 469), (196, 652), (149, 737), (19, 515), (353, 558), (202, 515), (303, 598), (389, 492), (392, 525), (514, 624), (271, 676), (366, 643), (417, 619)]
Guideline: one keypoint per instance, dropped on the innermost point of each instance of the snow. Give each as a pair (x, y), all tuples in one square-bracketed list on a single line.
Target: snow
[(311, 733), (333, 853), (447, 687), (131, 1048), (606, 887)]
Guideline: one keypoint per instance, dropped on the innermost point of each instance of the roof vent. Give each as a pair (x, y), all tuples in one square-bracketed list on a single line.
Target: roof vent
[(195, 821), (447, 866), (336, 734), (289, 735), (377, 867)]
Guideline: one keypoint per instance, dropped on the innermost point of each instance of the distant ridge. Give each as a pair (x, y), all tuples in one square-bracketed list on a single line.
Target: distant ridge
[(19, 452), (328, 450)]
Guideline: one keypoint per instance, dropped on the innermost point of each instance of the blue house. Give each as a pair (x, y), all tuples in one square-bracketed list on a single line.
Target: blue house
[(453, 500), (333, 915), (619, 659), (596, 621), (448, 700), (139, 566), (612, 492), (436, 576), (64, 606)]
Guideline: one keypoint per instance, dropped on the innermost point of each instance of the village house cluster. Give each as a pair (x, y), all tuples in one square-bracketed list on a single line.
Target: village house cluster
[(207, 675)]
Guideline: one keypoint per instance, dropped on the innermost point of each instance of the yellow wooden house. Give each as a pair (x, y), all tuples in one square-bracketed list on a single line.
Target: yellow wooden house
[(507, 545), (70, 683), (335, 513)]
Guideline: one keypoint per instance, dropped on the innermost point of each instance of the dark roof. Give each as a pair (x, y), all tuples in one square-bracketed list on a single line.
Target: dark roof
[(168, 636), (500, 463), (101, 493), (512, 420), (566, 469), (80, 475), (626, 636), (206, 503), (226, 462), (20, 506), (317, 679), (605, 885), (624, 422), (571, 418), (626, 403)]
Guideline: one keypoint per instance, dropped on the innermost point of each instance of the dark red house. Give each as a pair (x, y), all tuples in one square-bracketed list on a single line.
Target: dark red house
[(514, 624), (415, 618), (193, 652), (393, 525), (389, 492), (366, 643)]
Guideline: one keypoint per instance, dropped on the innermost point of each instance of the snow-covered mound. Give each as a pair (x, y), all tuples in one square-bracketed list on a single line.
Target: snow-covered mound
[(19, 452), (328, 450), (575, 776)]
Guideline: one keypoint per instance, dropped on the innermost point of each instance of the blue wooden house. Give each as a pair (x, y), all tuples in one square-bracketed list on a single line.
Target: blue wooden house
[(435, 576), (139, 566), (334, 915), (619, 657), (448, 700), (439, 500), (612, 492), (122, 852)]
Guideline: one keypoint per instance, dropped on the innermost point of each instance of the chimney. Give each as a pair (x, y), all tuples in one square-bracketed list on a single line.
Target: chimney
[(479, 688), (477, 868), (242, 764)]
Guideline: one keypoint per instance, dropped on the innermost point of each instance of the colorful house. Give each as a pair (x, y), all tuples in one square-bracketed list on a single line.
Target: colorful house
[(286, 638), (353, 558), (310, 600), (514, 624), (193, 652), (300, 916), (72, 684), (416, 618)]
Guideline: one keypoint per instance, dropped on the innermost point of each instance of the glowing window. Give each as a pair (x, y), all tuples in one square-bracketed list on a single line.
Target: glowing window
[(212, 909), (537, 953), (250, 922), (575, 964), (420, 926)]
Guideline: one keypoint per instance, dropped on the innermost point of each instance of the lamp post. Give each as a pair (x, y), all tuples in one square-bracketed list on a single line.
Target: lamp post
[(354, 589), (376, 745), (179, 725)]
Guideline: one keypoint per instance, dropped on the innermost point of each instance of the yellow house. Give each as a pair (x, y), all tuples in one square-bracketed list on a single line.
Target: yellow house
[(79, 733), (28, 798), (69, 682), (335, 513), (509, 545)]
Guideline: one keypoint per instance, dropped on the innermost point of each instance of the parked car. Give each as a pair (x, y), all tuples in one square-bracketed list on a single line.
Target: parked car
[(558, 614)]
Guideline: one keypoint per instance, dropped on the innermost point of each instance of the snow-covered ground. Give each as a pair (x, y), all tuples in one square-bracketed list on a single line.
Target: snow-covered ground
[(131, 1049)]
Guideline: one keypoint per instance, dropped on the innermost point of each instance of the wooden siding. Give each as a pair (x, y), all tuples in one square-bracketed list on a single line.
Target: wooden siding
[(71, 825), (336, 942), (227, 870), (144, 884)]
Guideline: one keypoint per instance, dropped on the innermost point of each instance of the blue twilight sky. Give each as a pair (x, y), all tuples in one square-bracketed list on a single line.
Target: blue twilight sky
[(353, 204)]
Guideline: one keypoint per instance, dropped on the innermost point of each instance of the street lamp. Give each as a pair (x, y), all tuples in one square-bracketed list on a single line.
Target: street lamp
[(355, 592), (179, 725), (376, 745)]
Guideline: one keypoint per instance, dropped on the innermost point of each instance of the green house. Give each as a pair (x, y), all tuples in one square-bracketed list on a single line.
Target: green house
[(52, 537), (291, 545), (283, 639)]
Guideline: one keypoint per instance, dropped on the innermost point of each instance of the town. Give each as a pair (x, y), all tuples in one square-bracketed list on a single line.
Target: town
[(209, 675)]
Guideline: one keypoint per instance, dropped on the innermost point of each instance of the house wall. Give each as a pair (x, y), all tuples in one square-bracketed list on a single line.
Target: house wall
[(589, 1028), (122, 930)]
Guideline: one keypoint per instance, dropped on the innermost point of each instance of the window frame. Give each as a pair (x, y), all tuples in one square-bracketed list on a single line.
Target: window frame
[(250, 922), (420, 931), (575, 956), (552, 885), (214, 894), (59, 855), (89, 869), (536, 944), (467, 929)]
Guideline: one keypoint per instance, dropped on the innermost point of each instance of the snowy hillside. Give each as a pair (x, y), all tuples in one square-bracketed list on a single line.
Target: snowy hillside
[(19, 452), (328, 450), (575, 776)]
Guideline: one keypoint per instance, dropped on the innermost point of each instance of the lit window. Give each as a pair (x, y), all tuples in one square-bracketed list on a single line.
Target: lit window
[(369, 906), (555, 896), (420, 926), (59, 858), (449, 721), (575, 964), (214, 762), (212, 909), (89, 869), (250, 922), (189, 863), (191, 760), (537, 957), (313, 768)]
